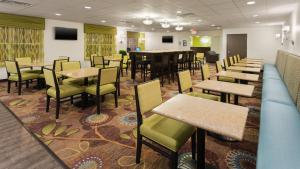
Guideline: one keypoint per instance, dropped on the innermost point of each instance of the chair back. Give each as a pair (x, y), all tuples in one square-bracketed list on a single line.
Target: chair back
[(92, 59), (148, 96), (114, 63), (231, 61), (235, 59), (117, 56), (108, 76), (64, 57), (200, 56), (73, 65), (238, 58), (12, 67), (50, 77), (57, 65), (205, 72), (23, 61), (219, 66), (98, 60), (125, 59), (225, 63), (184, 81)]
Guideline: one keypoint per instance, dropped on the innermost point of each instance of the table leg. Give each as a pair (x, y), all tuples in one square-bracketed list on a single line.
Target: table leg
[(236, 99), (223, 97), (200, 149)]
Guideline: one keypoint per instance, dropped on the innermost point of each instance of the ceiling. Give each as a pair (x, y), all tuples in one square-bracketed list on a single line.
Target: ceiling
[(196, 14)]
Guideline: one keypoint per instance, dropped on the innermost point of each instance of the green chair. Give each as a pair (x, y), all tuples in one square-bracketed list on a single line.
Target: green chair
[(219, 68), (106, 84), (235, 59), (238, 58), (15, 75), (98, 62), (116, 63), (57, 66), (58, 92), (231, 61), (64, 58), (125, 64), (25, 62), (160, 133), (72, 65), (226, 65), (185, 83)]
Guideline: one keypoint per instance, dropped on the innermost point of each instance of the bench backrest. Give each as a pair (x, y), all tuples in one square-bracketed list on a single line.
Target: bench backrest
[(281, 61)]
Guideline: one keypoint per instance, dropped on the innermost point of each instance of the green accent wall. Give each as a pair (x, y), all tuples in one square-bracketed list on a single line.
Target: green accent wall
[(100, 29), (201, 41), (18, 21)]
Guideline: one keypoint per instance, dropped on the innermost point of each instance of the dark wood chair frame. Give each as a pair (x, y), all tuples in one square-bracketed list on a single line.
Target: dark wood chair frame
[(173, 156), (93, 61)]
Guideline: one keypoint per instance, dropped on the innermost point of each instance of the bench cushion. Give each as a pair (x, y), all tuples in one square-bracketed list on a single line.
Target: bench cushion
[(275, 90), (279, 137), (270, 71)]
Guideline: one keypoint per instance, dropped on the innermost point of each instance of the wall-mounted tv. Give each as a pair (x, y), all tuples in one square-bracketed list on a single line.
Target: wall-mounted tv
[(167, 39), (65, 33)]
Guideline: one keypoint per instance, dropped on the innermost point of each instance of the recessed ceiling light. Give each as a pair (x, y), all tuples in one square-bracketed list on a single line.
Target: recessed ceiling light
[(147, 21), (251, 2), (257, 22), (179, 12), (58, 14), (88, 7), (165, 25), (255, 15), (103, 21), (212, 25), (199, 20), (218, 27)]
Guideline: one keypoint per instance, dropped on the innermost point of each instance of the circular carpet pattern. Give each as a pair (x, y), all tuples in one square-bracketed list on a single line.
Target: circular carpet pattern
[(96, 119), (91, 162), (129, 119), (237, 159)]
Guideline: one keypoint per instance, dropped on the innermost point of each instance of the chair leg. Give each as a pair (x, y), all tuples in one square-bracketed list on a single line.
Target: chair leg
[(98, 102), (27, 84), (71, 99), (116, 99), (8, 86), (57, 107), (119, 89), (138, 149), (47, 103), (193, 141), (174, 160), (19, 88), (16, 84)]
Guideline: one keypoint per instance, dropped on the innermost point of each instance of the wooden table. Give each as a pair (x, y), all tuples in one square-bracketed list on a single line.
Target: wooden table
[(207, 115), (244, 69), (227, 88), (155, 56), (239, 76), (248, 65), (251, 62)]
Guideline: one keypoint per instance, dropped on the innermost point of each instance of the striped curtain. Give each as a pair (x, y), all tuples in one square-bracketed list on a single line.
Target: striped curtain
[(21, 42)]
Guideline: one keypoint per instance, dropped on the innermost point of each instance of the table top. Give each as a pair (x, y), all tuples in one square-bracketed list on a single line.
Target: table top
[(238, 75), (249, 65), (227, 87), (252, 59), (80, 73), (245, 69), (251, 62), (221, 118)]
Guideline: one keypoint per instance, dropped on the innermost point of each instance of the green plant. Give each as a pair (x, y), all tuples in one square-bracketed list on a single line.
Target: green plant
[(122, 52)]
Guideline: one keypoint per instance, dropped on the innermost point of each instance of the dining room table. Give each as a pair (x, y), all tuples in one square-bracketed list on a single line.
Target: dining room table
[(227, 88), (242, 78), (249, 65), (244, 69), (206, 116)]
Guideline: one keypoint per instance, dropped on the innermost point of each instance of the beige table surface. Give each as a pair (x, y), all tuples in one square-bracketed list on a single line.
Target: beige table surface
[(238, 75), (251, 62), (245, 69), (253, 59), (227, 87), (80, 73), (217, 117), (249, 65)]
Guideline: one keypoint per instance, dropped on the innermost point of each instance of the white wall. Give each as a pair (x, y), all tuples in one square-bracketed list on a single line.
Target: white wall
[(153, 40), (216, 39), (261, 42), (121, 39), (294, 34)]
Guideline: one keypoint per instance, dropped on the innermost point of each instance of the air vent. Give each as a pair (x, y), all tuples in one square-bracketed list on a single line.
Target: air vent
[(16, 3), (185, 15)]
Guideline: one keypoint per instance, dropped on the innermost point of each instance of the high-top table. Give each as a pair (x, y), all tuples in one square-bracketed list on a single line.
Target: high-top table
[(151, 55), (239, 76), (245, 69), (206, 115), (227, 88)]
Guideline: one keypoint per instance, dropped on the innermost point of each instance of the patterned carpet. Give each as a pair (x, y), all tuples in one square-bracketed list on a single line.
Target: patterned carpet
[(86, 141)]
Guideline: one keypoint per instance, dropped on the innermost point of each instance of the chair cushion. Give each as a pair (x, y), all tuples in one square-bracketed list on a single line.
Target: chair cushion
[(73, 81), (275, 90), (226, 79), (166, 132), (66, 90), (104, 89), (25, 76), (33, 71), (279, 137), (204, 96)]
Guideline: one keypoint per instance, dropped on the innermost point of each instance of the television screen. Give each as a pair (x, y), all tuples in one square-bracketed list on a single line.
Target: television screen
[(167, 39), (65, 33)]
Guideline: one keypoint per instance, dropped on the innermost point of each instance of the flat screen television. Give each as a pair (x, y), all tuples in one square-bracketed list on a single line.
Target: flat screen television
[(65, 33), (167, 39)]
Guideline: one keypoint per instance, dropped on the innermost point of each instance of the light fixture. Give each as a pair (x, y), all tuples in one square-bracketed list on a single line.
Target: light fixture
[(277, 35), (179, 28), (199, 20), (257, 22), (168, 31), (255, 15), (218, 27), (147, 21), (103, 21), (179, 12), (286, 28), (58, 14), (88, 7), (165, 25), (132, 26), (212, 25), (251, 2)]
